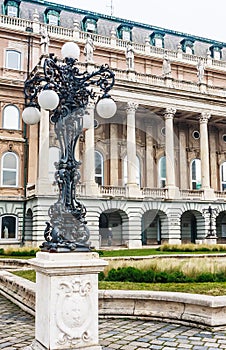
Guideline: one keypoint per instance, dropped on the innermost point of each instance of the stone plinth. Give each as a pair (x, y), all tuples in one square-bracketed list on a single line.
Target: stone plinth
[(67, 301)]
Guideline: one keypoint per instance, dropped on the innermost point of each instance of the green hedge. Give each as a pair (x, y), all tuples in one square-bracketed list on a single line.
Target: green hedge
[(132, 274), (19, 252)]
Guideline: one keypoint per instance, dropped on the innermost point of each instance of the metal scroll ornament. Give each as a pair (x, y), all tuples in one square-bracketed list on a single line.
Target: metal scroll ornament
[(67, 230)]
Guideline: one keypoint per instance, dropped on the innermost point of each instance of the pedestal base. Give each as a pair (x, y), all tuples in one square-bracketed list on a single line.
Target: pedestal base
[(37, 346), (66, 301)]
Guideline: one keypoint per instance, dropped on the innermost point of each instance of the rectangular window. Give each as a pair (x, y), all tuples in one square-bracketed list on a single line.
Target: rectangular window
[(126, 35), (9, 178), (90, 27), (53, 20), (12, 11), (13, 59)]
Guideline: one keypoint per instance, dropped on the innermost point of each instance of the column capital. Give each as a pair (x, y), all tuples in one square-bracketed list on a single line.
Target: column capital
[(170, 112), (204, 117), (132, 106)]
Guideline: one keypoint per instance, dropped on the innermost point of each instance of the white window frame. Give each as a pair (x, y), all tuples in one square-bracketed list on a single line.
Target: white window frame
[(16, 227), (9, 170), (197, 180), (53, 20), (162, 179), (17, 54), (12, 11), (223, 176), (10, 115), (101, 175)]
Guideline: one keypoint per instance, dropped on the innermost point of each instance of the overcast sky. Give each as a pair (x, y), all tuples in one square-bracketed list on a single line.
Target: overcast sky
[(206, 18)]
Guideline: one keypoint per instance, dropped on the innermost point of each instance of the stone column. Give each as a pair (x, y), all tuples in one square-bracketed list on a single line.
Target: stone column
[(66, 314), (114, 157), (43, 183), (149, 157), (169, 150), (204, 155), (183, 160), (91, 188), (132, 187), (204, 150)]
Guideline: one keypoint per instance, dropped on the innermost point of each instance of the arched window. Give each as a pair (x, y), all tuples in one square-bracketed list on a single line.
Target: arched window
[(137, 170), (9, 174), (11, 118), (13, 59), (8, 224), (223, 176), (162, 172), (196, 174), (99, 168), (54, 156)]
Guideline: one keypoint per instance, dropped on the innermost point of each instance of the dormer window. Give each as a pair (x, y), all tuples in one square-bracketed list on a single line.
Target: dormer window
[(125, 32), (216, 52), (187, 46), (157, 39), (11, 8), (89, 24), (52, 17)]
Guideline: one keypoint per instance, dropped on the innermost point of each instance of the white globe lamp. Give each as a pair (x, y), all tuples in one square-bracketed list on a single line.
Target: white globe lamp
[(70, 50), (106, 108), (31, 115), (48, 100)]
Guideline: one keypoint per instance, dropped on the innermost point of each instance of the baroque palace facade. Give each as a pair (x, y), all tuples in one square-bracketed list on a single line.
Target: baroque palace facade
[(156, 171)]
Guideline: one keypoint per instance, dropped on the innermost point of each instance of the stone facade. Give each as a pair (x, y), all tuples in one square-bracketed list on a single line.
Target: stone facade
[(156, 171)]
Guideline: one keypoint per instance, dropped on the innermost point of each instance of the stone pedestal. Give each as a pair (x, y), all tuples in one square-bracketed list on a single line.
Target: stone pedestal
[(66, 301), (210, 240)]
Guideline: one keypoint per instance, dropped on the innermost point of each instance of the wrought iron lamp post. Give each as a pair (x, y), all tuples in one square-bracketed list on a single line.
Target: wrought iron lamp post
[(65, 91)]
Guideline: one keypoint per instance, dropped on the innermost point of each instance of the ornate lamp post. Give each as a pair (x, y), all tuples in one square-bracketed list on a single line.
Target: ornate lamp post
[(65, 91)]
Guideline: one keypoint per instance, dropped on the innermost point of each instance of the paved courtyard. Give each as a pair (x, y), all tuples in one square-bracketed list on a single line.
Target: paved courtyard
[(17, 331)]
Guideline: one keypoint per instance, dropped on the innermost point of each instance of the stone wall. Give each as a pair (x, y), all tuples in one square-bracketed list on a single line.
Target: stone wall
[(199, 310)]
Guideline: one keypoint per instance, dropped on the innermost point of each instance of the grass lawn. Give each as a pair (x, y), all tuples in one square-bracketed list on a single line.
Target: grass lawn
[(214, 288), (146, 252)]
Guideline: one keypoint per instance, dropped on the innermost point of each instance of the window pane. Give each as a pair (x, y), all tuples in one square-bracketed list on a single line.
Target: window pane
[(9, 161), (13, 59), (11, 117), (126, 35), (53, 20), (188, 50), (9, 178), (98, 164), (98, 168), (91, 27), (163, 167), (158, 42), (12, 11), (223, 170), (217, 55), (8, 227)]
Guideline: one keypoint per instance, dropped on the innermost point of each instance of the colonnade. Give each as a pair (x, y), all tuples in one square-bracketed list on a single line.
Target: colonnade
[(133, 190)]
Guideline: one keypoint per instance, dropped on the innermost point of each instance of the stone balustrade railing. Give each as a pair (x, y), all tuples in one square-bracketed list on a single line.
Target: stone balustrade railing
[(191, 194), (114, 191), (155, 192), (112, 41)]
